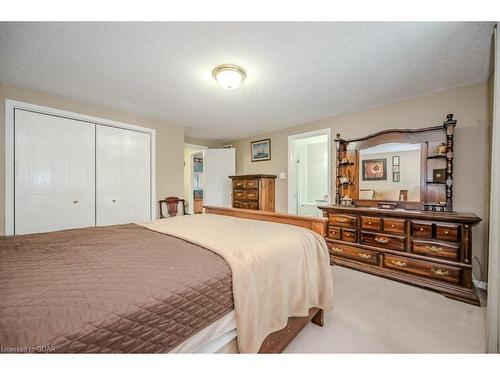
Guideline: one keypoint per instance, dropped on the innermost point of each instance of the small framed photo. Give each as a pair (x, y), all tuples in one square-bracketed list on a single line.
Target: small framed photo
[(374, 169), (395, 176), (261, 150), (395, 160), (395, 168)]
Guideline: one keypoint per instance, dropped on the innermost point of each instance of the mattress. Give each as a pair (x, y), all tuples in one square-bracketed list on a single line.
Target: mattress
[(110, 289)]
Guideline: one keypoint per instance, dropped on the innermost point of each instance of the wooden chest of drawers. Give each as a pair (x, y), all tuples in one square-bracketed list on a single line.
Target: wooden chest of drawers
[(253, 192), (427, 249)]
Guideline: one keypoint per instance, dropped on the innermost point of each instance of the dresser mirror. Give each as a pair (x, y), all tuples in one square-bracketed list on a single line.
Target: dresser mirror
[(390, 172), (400, 168)]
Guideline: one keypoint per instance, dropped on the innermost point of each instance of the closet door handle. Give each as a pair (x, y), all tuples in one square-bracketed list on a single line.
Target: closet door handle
[(113, 200), (75, 201)]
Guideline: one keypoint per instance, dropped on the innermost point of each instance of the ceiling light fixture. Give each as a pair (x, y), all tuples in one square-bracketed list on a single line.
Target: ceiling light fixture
[(229, 76)]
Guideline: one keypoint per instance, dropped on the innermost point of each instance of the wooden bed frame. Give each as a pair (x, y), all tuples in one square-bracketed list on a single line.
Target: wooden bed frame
[(276, 342)]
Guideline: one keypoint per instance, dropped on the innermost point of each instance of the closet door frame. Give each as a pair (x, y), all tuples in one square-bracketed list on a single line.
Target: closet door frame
[(12, 105)]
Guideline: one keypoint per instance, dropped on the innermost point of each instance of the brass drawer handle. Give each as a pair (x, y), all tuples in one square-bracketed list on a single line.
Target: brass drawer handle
[(439, 272), (434, 249), (393, 226), (337, 249), (347, 235), (398, 263), (381, 239), (421, 229), (446, 232), (341, 219), (334, 232), (369, 223), (365, 256)]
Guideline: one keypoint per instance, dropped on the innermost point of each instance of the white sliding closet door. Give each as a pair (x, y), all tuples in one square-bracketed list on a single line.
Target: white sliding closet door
[(123, 176), (54, 169)]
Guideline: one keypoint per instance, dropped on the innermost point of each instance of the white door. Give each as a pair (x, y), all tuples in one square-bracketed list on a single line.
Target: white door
[(54, 173), (123, 176), (218, 165)]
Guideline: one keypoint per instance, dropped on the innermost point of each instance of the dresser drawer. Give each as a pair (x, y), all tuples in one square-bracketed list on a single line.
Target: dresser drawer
[(349, 235), (351, 252), (334, 233), (396, 226), (238, 184), (342, 220), (422, 268), (421, 229), (369, 222), (252, 194), (250, 205), (435, 249), (251, 184), (448, 232), (383, 240), (239, 194)]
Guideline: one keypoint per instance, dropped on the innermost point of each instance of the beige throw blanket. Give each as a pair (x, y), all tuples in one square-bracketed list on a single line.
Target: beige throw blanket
[(278, 270)]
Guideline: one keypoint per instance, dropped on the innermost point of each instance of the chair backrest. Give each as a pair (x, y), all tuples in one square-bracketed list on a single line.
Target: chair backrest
[(172, 206)]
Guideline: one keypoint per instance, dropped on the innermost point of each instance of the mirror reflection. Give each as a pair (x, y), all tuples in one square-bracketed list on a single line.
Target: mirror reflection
[(390, 172)]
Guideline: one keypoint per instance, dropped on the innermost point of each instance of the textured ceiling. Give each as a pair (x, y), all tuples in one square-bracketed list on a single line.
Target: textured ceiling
[(297, 72)]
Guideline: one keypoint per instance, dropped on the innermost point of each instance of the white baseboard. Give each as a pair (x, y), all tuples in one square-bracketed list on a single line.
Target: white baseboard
[(481, 284)]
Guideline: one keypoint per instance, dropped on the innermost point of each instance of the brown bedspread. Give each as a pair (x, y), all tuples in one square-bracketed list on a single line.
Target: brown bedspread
[(120, 288)]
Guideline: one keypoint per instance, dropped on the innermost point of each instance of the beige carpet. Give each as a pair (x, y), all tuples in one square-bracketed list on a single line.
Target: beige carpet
[(376, 315)]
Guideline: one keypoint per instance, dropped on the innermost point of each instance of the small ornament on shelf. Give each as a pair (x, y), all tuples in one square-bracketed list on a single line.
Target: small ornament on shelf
[(346, 201)]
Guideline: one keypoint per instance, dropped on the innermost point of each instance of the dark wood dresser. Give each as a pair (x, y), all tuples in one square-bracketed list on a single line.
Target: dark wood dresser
[(253, 192), (427, 249)]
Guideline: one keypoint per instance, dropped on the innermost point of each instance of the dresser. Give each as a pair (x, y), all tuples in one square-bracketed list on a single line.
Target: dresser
[(253, 192), (426, 249)]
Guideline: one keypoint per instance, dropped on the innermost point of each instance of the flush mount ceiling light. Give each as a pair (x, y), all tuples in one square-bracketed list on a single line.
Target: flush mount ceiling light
[(229, 76)]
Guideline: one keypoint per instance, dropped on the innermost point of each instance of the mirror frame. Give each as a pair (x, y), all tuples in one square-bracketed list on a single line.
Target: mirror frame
[(349, 149)]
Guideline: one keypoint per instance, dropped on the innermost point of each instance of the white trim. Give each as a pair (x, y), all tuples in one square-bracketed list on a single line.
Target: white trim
[(291, 169), (493, 309), (11, 105)]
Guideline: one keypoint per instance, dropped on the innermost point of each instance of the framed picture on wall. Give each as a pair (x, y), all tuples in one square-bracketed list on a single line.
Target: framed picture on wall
[(395, 160), (395, 177), (374, 169), (261, 150)]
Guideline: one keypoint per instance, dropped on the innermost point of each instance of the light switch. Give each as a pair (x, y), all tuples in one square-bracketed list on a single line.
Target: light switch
[(282, 175)]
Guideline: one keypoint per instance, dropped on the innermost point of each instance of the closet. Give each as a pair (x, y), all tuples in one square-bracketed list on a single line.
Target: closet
[(70, 173)]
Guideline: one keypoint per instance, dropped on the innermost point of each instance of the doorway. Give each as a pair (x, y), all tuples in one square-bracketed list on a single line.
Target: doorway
[(309, 172), (193, 178)]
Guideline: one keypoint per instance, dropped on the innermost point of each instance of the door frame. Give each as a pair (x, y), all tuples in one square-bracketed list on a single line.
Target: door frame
[(291, 163), (12, 105), (197, 149)]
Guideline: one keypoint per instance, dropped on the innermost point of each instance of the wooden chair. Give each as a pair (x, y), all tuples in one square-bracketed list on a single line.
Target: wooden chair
[(172, 206)]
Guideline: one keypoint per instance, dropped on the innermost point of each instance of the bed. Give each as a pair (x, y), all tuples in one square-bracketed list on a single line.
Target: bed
[(186, 284)]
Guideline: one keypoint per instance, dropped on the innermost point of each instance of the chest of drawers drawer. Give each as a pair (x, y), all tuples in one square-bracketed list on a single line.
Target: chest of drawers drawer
[(396, 226), (251, 184), (448, 232), (239, 194), (349, 235), (252, 194), (342, 220), (383, 240), (334, 232), (421, 229), (423, 268), (351, 252), (371, 223), (238, 184), (435, 249)]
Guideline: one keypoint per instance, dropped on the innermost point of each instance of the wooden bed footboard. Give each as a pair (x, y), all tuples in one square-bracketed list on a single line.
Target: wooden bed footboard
[(277, 341), (316, 224)]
